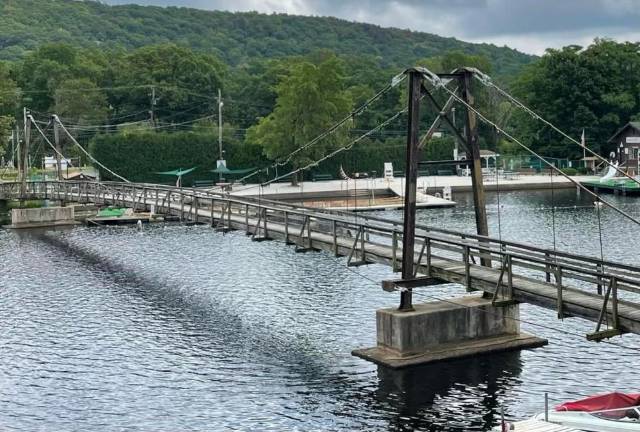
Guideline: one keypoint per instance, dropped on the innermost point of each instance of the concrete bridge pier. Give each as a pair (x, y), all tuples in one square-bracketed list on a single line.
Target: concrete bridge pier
[(445, 330)]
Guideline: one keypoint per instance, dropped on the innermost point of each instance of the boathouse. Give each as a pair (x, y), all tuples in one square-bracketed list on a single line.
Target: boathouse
[(627, 147)]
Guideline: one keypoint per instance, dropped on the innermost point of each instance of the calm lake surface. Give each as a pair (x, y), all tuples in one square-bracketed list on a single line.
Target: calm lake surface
[(182, 328)]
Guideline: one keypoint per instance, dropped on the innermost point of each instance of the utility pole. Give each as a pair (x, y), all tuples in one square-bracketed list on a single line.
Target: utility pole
[(56, 137), (411, 179), (220, 104), (473, 155), (13, 147), (24, 156), (220, 151), (154, 101), (15, 157)]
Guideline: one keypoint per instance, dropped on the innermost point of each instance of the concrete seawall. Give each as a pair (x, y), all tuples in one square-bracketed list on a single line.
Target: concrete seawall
[(41, 217)]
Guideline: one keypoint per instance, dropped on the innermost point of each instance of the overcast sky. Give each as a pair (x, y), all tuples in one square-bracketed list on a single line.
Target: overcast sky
[(528, 25)]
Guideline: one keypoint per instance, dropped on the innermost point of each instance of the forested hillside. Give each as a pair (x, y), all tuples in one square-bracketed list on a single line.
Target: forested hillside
[(138, 86), (233, 37)]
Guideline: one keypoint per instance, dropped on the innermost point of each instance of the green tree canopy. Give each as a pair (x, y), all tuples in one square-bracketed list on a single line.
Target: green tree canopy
[(310, 99), (185, 82), (45, 69), (9, 97), (596, 89), (79, 101)]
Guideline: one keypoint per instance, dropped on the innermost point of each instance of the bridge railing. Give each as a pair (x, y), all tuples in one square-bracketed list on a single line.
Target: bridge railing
[(550, 266)]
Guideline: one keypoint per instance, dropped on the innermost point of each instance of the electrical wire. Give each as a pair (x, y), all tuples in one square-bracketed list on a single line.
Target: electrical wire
[(97, 162), (49, 142), (283, 161)]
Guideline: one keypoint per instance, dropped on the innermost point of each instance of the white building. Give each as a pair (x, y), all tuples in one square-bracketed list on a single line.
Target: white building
[(51, 163)]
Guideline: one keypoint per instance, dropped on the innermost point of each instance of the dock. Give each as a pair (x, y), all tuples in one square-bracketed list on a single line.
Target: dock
[(616, 186), (381, 194)]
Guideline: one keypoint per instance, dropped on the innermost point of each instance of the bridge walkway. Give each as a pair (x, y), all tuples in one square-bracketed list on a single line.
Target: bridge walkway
[(573, 285)]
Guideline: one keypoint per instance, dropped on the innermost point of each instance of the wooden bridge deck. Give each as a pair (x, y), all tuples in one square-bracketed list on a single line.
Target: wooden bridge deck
[(571, 284)]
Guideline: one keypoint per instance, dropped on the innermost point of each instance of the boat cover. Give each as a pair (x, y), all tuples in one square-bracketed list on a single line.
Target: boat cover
[(602, 402)]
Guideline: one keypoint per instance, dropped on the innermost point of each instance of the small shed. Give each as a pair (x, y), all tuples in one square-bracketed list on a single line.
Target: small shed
[(627, 145)]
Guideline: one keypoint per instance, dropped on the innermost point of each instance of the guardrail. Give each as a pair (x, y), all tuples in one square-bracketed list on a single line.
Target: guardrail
[(600, 278)]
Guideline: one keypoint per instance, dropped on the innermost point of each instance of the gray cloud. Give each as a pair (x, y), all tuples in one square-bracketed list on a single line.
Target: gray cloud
[(529, 25)]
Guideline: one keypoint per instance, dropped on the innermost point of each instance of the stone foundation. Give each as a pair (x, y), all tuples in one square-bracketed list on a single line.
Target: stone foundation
[(444, 330), (42, 217)]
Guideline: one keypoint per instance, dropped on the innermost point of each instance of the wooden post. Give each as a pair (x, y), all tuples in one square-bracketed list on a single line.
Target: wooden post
[(559, 287), (473, 154), (614, 302), (181, 206), (286, 226), (547, 266), (24, 156), (246, 219), (428, 244), (599, 270), (394, 251), (409, 224), (467, 267), (56, 140)]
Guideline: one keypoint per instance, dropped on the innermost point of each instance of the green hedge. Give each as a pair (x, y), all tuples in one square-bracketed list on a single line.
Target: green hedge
[(139, 156)]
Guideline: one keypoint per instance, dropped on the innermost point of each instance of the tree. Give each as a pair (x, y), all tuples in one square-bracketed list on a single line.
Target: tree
[(185, 82), (310, 99), (596, 89), (9, 97), (80, 102)]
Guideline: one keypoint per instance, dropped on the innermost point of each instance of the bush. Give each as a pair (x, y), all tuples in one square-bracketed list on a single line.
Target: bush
[(139, 156), (569, 171)]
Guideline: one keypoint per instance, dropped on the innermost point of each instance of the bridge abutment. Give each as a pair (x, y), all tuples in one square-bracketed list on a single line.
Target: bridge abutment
[(41, 217), (444, 330)]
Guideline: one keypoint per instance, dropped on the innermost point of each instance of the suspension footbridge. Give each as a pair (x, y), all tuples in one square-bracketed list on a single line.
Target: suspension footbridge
[(504, 273), (572, 285)]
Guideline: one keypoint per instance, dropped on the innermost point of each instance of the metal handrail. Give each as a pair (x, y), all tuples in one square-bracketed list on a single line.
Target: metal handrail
[(380, 225)]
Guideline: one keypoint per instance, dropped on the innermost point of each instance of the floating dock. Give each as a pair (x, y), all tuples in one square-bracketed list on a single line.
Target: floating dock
[(615, 186)]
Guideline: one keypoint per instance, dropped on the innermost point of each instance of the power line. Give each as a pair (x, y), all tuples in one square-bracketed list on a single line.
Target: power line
[(330, 155), (55, 118), (30, 117), (394, 82)]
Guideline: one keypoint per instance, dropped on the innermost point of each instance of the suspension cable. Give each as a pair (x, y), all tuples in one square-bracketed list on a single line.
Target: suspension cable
[(338, 150), (97, 162), (30, 117), (286, 159), (487, 81), (438, 83)]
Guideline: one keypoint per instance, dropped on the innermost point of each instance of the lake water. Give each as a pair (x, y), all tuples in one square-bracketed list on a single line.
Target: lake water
[(183, 328)]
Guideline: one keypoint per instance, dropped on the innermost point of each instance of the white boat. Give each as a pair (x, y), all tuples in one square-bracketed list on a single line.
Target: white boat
[(532, 426), (612, 412)]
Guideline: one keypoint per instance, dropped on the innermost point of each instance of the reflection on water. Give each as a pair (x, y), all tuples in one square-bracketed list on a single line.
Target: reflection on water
[(183, 328)]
